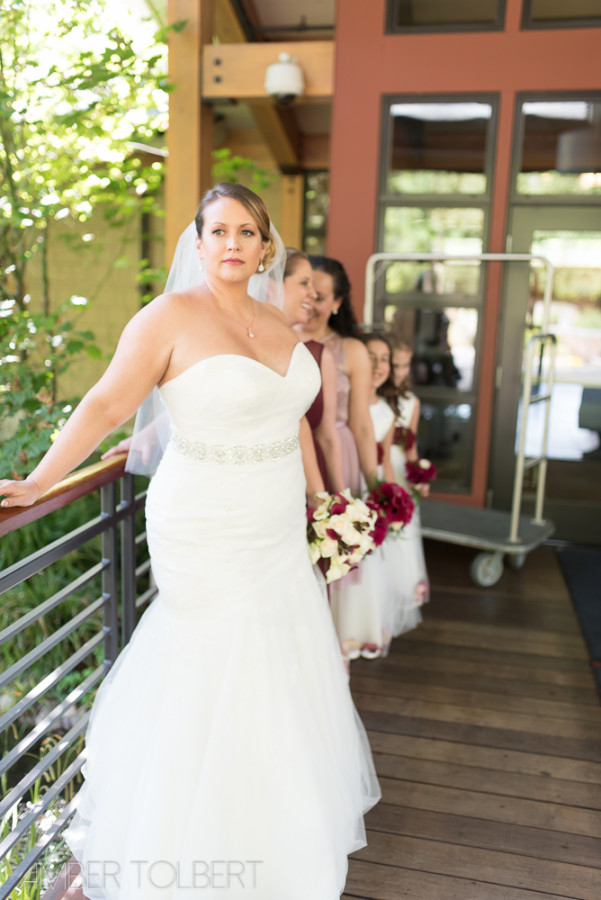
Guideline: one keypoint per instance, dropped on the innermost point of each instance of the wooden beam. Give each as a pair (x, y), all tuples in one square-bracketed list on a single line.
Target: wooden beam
[(237, 71), (279, 131), (315, 153), (227, 26), (190, 133), (291, 216)]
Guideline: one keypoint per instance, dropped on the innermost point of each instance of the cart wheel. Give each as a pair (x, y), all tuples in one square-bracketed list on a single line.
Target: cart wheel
[(486, 569), (516, 560)]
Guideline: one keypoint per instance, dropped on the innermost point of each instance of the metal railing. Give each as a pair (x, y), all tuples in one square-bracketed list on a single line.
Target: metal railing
[(537, 342), (375, 258), (114, 576)]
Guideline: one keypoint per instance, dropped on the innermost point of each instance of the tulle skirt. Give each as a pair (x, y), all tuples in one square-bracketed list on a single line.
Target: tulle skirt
[(224, 755)]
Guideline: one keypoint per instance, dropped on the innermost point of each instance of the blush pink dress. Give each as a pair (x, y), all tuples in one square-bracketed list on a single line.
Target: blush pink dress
[(350, 456)]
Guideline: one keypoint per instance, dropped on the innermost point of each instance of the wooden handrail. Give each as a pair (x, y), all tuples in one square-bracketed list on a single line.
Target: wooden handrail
[(83, 481)]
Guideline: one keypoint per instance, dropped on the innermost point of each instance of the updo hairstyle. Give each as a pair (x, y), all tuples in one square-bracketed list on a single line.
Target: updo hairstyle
[(251, 202)]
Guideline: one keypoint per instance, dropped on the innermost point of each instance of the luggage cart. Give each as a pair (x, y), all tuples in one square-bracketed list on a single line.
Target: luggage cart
[(495, 532)]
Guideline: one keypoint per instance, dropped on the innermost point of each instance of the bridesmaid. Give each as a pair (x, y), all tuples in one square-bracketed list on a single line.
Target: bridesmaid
[(370, 614), (299, 300), (333, 323), (414, 584)]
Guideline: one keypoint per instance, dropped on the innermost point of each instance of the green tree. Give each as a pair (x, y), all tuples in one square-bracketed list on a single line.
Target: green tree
[(77, 95)]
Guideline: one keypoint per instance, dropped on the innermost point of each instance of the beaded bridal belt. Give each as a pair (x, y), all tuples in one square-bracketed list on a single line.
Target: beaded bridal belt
[(222, 453)]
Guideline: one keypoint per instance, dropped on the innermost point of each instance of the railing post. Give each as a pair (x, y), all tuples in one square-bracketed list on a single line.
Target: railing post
[(110, 580), (128, 558)]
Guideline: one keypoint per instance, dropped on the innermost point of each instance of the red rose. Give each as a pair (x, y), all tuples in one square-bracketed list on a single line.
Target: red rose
[(420, 472), (339, 505), (405, 437)]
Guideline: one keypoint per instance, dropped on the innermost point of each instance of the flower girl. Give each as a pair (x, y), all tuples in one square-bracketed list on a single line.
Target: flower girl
[(414, 584)]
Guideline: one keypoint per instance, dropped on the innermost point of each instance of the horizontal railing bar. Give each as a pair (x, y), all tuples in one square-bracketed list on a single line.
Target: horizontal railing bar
[(38, 808), (544, 398), (51, 641), (41, 559), (83, 481), (146, 597), (18, 791), (52, 679), (49, 604), (50, 719), (143, 569), (531, 463)]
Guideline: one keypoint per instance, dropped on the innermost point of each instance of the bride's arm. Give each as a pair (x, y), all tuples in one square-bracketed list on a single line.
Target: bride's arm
[(139, 363), (310, 465)]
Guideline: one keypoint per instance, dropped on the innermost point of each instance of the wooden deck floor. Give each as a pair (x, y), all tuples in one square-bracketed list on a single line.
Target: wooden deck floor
[(486, 730)]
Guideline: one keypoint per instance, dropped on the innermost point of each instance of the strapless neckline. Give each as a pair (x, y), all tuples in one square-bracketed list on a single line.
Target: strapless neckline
[(250, 359)]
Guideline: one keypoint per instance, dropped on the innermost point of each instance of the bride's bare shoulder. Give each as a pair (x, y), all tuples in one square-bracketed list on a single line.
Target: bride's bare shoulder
[(274, 312), (171, 304)]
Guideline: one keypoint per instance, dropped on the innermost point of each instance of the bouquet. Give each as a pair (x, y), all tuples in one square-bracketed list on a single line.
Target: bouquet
[(418, 473), (393, 507), (339, 532), (404, 437)]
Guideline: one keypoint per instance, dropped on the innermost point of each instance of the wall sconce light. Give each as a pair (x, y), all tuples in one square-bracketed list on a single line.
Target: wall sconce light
[(284, 80)]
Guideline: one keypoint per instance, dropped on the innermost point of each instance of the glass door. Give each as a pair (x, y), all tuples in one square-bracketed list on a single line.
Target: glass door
[(571, 240)]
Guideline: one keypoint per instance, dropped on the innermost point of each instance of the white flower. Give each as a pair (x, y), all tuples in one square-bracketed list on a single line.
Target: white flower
[(329, 548), (424, 463), (322, 512), (321, 528), (336, 569), (314, 552), (357, 511), (342, 526)]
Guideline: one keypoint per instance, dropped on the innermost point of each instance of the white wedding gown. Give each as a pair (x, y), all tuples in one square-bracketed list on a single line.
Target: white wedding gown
[(225, 756)]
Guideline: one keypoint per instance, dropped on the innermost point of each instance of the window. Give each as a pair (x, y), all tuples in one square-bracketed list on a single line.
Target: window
[(560, 151), (440, 15), (559, 14), (435, 186)]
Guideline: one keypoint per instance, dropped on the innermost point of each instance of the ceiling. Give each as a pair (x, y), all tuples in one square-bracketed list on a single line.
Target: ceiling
[(289, 20)]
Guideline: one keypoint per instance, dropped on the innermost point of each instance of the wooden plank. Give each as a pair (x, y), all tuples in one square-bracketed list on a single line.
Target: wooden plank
[(505, 680), (490, 807), (412, 662), (458, 829), (491, 657), (487, 866), (484, 737), (471, 715), (370, 881), (464, 634), (490, 781), (508, 761), (519, 635), (477, 699), (457, 604)]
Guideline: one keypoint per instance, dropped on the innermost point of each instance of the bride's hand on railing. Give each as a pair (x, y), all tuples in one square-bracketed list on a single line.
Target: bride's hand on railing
[(122, 447), (19, 493)]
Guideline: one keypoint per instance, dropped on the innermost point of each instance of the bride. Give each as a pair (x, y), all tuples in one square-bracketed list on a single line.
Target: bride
[(224, 755)]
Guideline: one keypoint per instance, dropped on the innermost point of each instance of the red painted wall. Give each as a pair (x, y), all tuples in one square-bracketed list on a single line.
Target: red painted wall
[(370, 64)]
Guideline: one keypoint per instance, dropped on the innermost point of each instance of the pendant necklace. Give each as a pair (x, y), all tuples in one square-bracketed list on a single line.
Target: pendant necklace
[(249, 327)]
